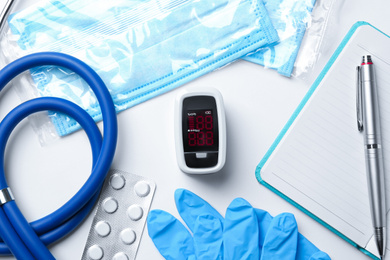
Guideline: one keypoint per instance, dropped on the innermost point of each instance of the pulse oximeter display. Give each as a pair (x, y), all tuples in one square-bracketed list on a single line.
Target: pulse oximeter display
[(201, 132)]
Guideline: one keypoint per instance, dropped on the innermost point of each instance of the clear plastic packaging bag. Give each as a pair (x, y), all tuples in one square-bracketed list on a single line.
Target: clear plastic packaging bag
[(301, 25), (313, 41)]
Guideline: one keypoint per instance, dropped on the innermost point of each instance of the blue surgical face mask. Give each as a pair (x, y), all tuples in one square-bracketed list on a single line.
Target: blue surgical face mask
[(290, 18), (140, 48)]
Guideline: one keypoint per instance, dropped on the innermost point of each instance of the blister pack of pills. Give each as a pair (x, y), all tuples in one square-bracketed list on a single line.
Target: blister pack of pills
[(120, 217)]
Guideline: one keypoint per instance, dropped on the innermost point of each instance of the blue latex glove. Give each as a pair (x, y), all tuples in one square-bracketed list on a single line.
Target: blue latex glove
[(245, 233), (174, 241)]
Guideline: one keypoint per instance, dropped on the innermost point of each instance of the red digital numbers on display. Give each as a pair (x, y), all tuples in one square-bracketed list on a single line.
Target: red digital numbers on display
[(200, 128), (200, 138)]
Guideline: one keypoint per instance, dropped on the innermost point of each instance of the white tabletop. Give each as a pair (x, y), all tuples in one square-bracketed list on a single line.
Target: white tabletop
[(258, 103)]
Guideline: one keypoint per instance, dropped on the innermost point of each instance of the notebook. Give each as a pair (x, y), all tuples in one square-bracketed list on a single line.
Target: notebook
[(317, 162)]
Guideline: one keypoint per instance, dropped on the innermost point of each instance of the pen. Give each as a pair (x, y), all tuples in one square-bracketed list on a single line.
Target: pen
[(369, 124)]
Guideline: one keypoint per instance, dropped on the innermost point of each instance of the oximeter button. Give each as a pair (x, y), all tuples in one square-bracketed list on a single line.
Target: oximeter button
[(120, 256), (95, 252), (201, 155), (117, 181), (135, 212), (102, 228), (110, 205), (142, 189), (128, 236), (197, 160)]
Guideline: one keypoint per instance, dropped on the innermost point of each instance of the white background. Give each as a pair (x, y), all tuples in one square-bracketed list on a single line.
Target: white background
[(258, 103)]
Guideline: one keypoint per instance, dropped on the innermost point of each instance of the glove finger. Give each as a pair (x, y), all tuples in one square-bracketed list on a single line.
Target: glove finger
[(306, 250), (264, 219), (190, 206), (241, 231), (281, 239), (208, 238), (170, 236)]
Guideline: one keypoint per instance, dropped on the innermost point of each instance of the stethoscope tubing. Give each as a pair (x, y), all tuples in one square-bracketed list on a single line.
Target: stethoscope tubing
[(27, 240)]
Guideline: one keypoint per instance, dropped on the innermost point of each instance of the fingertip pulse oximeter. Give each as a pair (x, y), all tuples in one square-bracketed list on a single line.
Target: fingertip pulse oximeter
[(200, 131)]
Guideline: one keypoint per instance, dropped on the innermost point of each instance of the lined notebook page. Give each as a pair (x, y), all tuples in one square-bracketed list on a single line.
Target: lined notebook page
[(320, 161)]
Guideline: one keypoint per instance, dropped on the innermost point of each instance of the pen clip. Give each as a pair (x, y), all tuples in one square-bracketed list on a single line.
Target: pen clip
[(359, 104)]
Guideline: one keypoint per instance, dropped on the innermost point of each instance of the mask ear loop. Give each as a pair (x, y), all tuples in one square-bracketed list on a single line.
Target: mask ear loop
[(86, 196)]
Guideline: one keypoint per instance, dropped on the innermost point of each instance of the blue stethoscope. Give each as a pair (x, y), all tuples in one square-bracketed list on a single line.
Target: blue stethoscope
[(29, 240)]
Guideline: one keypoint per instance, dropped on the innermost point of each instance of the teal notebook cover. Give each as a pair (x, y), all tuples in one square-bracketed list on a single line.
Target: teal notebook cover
[(289, 123)]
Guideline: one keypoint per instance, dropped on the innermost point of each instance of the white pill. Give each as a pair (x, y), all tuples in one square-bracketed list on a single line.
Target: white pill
[(120, 256), (142, 188), (95, 252), (117, 181), (102, 228), (135, 212), (128, 236), (110, 205)]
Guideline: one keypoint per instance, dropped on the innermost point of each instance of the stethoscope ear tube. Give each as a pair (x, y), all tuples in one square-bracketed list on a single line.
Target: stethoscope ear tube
[(4, 13), (22, 238)]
